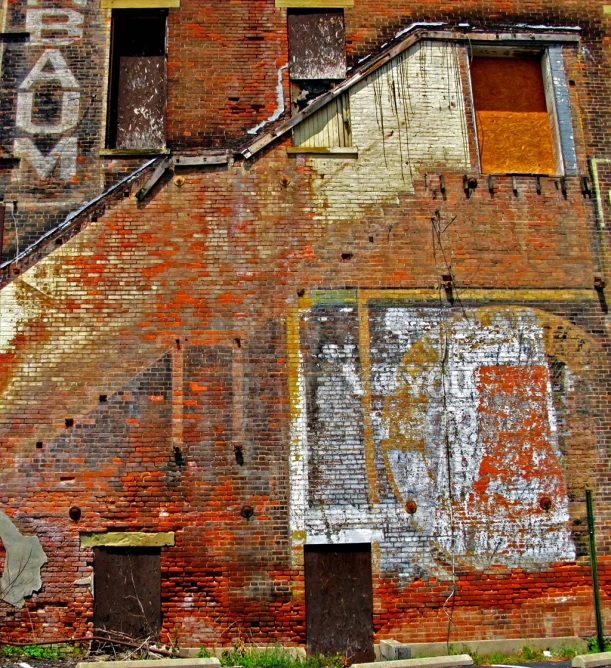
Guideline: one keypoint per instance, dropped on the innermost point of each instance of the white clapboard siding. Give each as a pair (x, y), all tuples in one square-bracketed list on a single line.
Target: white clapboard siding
[(329, 126)]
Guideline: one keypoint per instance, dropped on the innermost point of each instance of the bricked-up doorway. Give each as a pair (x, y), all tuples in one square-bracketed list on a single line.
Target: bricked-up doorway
[(339, 600), (127, 591)]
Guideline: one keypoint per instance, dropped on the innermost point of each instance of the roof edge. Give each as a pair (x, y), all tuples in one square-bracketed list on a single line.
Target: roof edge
[(69, 227), (512, 35)]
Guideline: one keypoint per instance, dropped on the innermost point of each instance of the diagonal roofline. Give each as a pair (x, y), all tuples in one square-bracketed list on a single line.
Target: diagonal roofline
[(516, 35), (512, 35), (71, 225)]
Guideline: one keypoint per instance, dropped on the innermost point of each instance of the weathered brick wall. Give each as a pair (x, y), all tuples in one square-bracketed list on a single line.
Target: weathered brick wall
[(183, 311), (224, 64), (177, 312)]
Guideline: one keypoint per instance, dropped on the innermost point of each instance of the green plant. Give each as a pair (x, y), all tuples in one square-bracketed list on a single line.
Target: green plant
[(568, 652), (277, 657), (593, 645), (204, 653), (530, 654), (9, 651), (48, 652), (45, 652)]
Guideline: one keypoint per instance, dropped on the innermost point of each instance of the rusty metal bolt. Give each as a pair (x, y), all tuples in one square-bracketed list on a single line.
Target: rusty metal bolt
[(545, 502), (179, 181), (411, 506), (247, 511)]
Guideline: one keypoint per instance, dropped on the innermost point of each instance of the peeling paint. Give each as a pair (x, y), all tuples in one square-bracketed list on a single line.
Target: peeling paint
[(463, 424), (392, 112)]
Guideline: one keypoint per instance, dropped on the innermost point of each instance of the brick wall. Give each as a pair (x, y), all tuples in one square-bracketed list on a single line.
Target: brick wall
[(225, 316)]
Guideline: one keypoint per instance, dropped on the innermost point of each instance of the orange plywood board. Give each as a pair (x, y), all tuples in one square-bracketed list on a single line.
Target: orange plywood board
[(515, 142)]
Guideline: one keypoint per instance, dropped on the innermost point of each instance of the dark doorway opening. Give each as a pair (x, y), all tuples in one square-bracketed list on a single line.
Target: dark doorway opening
[(127, 592), (138, 79), (339, 600)]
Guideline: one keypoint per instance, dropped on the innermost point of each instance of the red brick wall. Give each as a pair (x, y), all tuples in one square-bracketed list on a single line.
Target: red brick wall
[(176, 307)]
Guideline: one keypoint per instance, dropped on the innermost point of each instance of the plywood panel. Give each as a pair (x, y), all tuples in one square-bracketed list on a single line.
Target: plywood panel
[(339, 601), (317, 44), (127, 586), (514, 142), (142, 102), (508, 84), (513, 125)]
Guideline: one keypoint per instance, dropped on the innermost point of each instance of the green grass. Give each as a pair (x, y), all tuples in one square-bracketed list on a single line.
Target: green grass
[(56, 652), (526, 655), (273, 657)]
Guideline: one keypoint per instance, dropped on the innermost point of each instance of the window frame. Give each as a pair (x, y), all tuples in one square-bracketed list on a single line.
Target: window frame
[(113, 92), (555, 89)]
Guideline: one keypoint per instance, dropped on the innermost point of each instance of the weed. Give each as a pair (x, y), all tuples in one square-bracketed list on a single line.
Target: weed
[(45, 652), (593, 646), (8, 651), (569, 652), (277, 657)]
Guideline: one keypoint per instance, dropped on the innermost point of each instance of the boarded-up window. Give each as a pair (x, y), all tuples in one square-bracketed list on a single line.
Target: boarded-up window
[(328, 127), (136, 118), (514, 129), (317, 44)]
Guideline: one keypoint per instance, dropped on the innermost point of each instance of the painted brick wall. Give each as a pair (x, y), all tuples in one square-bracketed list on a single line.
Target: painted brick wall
[(243, 308), (224, 65)]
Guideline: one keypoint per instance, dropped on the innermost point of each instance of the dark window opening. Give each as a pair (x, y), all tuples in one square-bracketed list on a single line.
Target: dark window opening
[(317, 44), (137, 91), (513, 116)]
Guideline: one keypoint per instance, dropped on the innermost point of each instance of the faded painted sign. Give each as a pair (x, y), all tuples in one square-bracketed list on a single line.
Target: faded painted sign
[(433, 434), (50, 28)]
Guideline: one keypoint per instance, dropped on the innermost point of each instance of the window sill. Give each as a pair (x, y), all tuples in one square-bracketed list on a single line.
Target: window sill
[(140, 4), (323, 150), (132, 152), (314, 4)]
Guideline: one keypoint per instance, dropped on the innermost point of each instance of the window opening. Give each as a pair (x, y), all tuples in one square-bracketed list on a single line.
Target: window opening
[(137, 94), (516, 132)]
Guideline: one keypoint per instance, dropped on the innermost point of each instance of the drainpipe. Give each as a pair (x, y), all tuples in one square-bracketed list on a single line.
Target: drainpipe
[(600, 637)]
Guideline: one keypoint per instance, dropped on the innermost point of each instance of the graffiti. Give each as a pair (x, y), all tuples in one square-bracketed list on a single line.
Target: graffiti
[(50, 27), (464, 432)]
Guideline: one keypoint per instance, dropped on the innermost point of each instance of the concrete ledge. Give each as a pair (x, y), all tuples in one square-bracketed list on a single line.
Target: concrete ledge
[(295, 652), (430, 662), (483, 647), (391, 650), (153, 663), (592, 660), (127, 539)]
